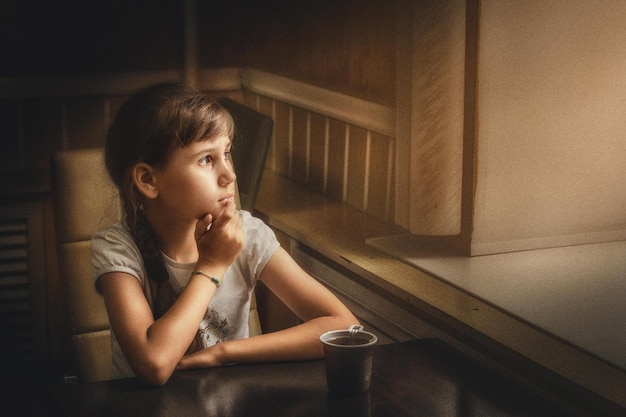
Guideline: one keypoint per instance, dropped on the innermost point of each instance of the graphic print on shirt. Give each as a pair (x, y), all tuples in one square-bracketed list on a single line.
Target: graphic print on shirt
[(214, 331)]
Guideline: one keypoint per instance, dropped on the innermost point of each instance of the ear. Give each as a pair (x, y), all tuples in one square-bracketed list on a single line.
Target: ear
[(145, 180)]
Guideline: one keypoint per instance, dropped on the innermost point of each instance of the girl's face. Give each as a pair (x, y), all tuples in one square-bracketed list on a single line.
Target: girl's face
[(197, 180)]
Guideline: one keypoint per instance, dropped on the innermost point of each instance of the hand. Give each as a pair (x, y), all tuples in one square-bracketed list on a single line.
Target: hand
[(205, 358), (220, 239)]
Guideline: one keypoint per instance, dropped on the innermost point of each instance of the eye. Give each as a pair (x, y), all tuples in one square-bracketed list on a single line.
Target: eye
[(227, 156), (206, 160)]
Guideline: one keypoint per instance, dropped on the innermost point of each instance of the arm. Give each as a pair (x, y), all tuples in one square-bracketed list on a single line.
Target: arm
[(154, 348), (320, 310)]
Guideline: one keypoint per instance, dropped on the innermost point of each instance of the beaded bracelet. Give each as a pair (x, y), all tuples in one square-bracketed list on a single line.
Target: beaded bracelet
[(204, 274)]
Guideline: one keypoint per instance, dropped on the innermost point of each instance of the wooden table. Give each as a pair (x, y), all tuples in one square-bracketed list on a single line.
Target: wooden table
[(416, 378)]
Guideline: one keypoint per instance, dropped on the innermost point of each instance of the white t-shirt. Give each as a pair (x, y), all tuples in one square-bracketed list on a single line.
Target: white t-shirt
[(113, 250)]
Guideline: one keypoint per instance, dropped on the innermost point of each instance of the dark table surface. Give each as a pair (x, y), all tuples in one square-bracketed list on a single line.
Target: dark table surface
[(417, 378)]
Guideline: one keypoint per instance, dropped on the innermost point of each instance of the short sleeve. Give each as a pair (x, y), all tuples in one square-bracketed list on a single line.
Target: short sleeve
[(113, 250), (260, 245)]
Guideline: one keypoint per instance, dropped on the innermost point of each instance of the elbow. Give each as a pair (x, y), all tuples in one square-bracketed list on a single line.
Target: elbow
[(349, 321), (348, 317), (345, 320), (155, 372), (154, 379)]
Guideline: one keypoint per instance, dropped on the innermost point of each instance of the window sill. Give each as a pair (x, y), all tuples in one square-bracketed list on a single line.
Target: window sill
[(340, 233)]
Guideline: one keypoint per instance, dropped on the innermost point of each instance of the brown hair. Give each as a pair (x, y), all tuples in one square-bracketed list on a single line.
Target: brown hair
[(148, 127)]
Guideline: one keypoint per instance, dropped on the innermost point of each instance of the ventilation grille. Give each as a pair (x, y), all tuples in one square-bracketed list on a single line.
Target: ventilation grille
[(17, 330)]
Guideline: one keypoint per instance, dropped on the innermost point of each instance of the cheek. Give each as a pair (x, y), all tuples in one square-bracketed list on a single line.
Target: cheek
[(190, 193), (197, 195), (181, 184), (179, 191)]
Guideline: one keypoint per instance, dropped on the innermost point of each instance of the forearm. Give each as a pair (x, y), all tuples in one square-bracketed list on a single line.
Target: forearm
[(153, 348), (175, 330), (300, 342), (296, 343)]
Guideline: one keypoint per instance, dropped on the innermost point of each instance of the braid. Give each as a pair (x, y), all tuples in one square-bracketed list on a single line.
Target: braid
[(164, 296)]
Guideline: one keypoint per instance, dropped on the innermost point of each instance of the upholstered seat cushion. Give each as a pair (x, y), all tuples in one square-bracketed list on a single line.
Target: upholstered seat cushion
[(85, 200)]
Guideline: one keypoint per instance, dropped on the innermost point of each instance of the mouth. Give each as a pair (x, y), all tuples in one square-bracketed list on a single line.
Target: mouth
[(227, 199)]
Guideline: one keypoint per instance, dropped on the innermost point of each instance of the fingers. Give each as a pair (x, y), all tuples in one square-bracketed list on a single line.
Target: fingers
[(203, 226), (228, 212), (223, 241), (229, 222), (229, 219), (206, 223)]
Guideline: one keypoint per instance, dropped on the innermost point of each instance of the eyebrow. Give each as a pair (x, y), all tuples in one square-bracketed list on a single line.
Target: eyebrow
[(211, 146)]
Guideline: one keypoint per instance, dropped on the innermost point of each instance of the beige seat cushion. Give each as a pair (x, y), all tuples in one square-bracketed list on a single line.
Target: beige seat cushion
[(85, 200)]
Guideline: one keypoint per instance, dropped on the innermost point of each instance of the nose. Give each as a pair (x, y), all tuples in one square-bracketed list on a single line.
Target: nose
[(228, 175)]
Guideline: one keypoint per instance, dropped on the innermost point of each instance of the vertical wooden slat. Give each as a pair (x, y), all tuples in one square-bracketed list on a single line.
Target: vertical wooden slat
[(326, 150), (317, 151), (336, 154), (379, 173), (299, 160), (267, 106), (308, 145), (281, 138), (355, 196), (346, 163), (366, 184), (290, 143), (390, 208)]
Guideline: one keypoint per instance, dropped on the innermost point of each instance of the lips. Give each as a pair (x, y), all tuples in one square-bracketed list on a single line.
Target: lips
[(226, 199)]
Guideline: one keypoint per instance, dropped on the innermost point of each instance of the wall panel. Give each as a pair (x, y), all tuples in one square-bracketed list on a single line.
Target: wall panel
[(333, 143)]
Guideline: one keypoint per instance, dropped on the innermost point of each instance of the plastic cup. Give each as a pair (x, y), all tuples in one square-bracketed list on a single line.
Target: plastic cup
[(348, 360)]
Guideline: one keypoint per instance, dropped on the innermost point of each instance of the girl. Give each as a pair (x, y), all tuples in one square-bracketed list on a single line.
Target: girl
[(178, 272)]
